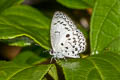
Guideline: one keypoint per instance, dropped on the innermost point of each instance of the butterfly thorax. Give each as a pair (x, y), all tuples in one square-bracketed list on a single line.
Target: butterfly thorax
[(56, 54)]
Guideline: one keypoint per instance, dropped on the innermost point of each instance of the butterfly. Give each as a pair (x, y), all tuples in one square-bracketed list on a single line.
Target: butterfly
[(66, 39)]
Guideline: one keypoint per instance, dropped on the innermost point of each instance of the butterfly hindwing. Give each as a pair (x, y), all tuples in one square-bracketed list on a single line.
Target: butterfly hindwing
[(66, 39)]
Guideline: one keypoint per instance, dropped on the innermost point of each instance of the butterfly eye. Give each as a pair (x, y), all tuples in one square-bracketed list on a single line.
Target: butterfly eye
[(51, 51)]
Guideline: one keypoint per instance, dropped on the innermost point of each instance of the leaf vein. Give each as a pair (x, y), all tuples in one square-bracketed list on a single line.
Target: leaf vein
[(97, 69), (99, 30)]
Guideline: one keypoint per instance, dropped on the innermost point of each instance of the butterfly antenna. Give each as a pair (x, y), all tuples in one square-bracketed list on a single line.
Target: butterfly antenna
[(46, 51), (36, 44)]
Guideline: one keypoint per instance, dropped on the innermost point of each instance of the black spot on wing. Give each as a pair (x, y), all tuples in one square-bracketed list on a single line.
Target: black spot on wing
[(54, 23), (66, 47), (68, 53), (64, 24), (69, 39), (62, 44), (83, 43), (76, 49), (67, 28), (67, 35), (73, 52), (61, 22), (57, 32), (58, 21)]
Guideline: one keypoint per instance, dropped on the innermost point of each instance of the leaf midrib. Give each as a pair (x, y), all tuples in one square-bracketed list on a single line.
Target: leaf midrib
[(12, 75)]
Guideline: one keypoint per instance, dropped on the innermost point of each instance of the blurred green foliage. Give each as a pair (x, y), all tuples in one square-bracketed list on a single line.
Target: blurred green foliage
[(25, 25)]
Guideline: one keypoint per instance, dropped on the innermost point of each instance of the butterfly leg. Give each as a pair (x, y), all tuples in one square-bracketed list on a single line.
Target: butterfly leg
[(65, 59), (51, 59), (55, 59)]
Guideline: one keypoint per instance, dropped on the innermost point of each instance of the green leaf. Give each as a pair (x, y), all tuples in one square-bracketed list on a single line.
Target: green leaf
[(28, 57), (105, 25), (98, 67), (4, 4), (114, 46), (53, 73), (11, 71), (84, 31), (44, 79), (25, 21), (77, 4), (21, 41)]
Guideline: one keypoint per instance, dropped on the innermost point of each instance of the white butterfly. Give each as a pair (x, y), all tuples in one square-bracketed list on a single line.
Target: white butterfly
[(66, 39)]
